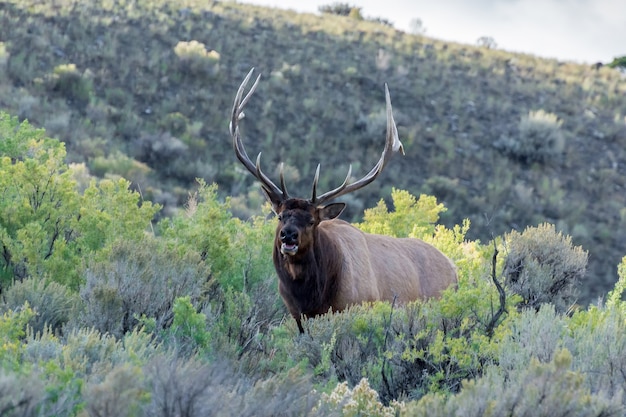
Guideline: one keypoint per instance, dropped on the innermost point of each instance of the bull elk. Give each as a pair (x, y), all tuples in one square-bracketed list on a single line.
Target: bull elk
[(325, 263)]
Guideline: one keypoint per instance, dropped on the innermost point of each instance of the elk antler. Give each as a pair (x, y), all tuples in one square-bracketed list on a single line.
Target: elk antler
[(392, 144), (275, 193)]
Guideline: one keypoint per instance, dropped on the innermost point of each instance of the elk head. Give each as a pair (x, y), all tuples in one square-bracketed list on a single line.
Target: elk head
[(299, 217)]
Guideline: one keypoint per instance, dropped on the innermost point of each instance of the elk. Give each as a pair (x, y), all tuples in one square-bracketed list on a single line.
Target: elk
[(324, 263)]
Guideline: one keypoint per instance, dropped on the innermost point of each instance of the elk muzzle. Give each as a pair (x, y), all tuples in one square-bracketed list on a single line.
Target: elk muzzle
[(288, 236)]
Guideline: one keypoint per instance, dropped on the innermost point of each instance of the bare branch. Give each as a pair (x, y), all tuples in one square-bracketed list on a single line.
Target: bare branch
[(502, 309)]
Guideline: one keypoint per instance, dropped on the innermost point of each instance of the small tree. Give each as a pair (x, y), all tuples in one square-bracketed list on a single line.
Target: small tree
[(619, 62), (416, 26), (487, 42), (46, 225)]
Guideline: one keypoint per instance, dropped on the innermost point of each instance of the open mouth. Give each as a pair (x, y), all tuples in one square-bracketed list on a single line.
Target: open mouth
[(288, 248)]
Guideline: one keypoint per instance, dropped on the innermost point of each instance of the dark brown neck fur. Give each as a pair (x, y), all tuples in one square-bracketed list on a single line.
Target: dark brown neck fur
[(308, 281)]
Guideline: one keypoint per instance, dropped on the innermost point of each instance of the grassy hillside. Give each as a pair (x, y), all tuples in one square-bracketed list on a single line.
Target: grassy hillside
[(506, 140)]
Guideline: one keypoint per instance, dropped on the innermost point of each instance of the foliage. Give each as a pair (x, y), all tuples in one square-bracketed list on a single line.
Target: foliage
[(487, 42), (359, 401), (615, 297), (52, 303), (120, 394), (341, 9), (12, 325), (195, 388), (540, 389), (618, 62), (239, 253), (67, 81), (36, 213), (195, 58), (411, 217), (539, 138), (45, 224), (133, 280), (543, 266), (20, 395), (189, 326), (597, 338)]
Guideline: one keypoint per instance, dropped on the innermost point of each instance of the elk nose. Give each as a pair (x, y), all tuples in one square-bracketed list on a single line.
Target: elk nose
[(288, 234)]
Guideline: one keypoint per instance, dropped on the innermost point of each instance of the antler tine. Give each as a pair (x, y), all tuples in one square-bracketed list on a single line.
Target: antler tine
[(283, 187), (392, 145), (324, 197), (315, 179), (255, 169)]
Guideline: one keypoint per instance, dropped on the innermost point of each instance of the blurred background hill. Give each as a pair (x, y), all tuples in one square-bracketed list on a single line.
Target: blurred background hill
[(143, 90)]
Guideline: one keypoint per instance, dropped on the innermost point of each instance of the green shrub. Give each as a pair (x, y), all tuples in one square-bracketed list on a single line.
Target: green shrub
[(195, 388), (543, 266), (120, 394), (532, 334), (539, 138), (195, 59), (67, 81), (539, 389), (615, 298), (618, 62), (12, 331), (38, 201), (341, 9), (410, 217), (189, 327), (20, 395), (242, 324), (597, 339), (47, 226), (175, 123), (139, 279), (404, 352), (52, 303), (119, 164), (86, 369), (239, 253), (359, 401), (89, 352), (157, 149)]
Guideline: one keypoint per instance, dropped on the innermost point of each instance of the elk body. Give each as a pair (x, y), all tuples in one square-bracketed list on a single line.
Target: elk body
[(325, 263)]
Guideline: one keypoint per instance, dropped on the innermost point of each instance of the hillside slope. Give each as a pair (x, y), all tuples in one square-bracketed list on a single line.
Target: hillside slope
[(130, 93)]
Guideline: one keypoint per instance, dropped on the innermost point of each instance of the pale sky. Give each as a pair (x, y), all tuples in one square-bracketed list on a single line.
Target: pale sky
[(584, 31)]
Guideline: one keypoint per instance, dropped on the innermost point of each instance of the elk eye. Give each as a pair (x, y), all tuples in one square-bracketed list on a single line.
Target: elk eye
[(280, 217)]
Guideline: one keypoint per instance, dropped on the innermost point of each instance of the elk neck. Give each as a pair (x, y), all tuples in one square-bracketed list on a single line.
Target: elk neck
[(311, 277)]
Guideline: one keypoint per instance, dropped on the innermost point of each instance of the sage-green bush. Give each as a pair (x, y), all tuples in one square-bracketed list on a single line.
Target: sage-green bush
[(543, 266), (539, 138), (136, 280), (67, 81), (53, 303), (539, 389)]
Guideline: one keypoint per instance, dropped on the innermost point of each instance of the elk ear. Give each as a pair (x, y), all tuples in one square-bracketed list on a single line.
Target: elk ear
[(330, 211), (273, 200)]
